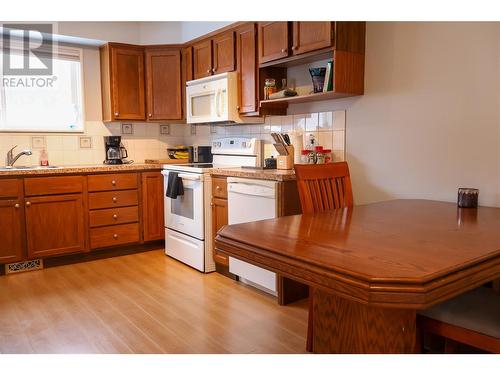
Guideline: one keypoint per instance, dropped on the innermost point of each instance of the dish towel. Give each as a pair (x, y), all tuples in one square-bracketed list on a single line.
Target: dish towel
[(175, 186)]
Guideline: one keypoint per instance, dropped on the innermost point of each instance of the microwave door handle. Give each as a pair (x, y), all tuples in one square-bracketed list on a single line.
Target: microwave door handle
[(217, 99)]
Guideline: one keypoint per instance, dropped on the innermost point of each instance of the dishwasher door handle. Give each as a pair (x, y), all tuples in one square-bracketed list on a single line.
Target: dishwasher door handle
[(254, 190)]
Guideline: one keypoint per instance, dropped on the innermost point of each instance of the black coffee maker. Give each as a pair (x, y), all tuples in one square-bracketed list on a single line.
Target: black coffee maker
[(115, 152)]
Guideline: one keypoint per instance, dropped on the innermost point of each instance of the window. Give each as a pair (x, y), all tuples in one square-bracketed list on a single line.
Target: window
[(43, 103)]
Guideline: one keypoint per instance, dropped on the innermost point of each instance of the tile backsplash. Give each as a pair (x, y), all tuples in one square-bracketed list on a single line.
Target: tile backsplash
[(328, 129), (148, 142)]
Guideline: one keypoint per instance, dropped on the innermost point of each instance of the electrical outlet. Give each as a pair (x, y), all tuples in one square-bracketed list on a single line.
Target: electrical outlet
[(127, 129), (165, 129), (85, 142), (193, 130), (213, 129), (38, 142)]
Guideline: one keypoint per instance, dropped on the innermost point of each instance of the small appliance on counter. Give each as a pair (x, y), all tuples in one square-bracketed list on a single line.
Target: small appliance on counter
[(115, 152), (200, 154)]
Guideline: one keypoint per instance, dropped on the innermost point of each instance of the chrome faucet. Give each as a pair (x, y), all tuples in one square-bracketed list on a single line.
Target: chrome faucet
[(11, 159)]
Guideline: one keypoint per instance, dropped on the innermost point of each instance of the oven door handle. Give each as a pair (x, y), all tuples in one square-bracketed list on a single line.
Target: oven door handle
[(192, 177)]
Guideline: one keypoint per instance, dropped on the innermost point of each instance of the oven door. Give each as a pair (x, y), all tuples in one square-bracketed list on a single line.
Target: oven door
[(185, 214)]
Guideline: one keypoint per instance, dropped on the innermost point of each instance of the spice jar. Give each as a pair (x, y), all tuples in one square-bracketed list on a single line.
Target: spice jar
[(328, 156), (304, 158), (269, 87), (311, 157)]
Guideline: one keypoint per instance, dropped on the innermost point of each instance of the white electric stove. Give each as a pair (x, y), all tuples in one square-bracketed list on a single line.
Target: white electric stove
[(188, 217)]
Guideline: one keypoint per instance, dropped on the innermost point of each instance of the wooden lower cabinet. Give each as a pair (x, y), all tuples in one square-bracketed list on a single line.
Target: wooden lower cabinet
[(11, 237), (152, 206), (219, 219), (55, 225)]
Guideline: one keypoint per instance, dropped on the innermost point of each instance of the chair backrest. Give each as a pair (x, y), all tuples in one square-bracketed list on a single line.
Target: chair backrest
[(323, 187)]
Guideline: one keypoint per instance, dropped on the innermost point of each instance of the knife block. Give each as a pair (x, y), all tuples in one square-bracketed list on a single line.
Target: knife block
[(285, 161)]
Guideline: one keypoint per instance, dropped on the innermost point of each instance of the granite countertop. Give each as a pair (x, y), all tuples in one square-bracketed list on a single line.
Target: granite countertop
[(79, 169), (258, 174)]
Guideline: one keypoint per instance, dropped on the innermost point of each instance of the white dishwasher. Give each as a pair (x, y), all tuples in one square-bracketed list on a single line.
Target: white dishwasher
[(251, 200)]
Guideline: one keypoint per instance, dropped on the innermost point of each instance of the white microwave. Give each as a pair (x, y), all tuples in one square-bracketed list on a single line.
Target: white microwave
[(213, 99)]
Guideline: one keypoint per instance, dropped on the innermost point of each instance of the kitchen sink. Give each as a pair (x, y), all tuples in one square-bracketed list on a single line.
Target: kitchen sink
[(26, 168)]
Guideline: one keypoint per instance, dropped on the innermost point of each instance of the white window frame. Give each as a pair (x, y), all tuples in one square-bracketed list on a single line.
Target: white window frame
[(64, 51)]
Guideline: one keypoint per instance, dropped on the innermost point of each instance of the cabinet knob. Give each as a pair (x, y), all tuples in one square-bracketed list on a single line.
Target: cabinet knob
[(208, 71), (294, 48), (238, 107), (113, 183), (150, 114), (283, 50), (116, 113), (17, 205), (217, 187), (115, 199), (115, 236), (28, 204), (115, 216), (212, 204), (214, 70)]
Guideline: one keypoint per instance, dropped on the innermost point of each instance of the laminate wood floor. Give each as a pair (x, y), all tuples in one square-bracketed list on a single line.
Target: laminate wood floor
[(142, 303)]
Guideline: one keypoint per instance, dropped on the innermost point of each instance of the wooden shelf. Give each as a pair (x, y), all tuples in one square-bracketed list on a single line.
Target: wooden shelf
[(304, 58), (329, 95)]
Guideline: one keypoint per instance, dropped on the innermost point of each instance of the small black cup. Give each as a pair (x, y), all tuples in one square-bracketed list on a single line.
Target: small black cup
[(467, 197)]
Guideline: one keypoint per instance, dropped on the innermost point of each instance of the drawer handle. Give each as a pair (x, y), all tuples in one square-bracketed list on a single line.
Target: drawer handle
[(28, 204), (115, 216), (16, 205), (217, 187), (113, 183), (115, 236), (115, 199)]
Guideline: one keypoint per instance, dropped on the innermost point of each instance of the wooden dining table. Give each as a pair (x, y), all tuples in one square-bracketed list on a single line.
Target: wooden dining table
[(370, 268)]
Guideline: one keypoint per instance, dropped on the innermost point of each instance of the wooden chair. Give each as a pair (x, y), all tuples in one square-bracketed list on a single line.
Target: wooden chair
[(322, 187), (472, 318)]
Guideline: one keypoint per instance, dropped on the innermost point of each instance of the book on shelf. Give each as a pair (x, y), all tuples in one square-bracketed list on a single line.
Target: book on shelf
[(328, 84)]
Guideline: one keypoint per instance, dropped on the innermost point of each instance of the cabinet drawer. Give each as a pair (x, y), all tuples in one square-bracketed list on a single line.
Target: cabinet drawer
[(113, 216), (219, 187), (53, 185), (112, 181), (114, 235), (110, 199), (10, 188)]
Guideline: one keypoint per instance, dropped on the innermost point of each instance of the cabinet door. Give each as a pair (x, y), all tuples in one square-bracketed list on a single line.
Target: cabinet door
[(202, 59), (152, 206), (127, 83), (163, 84), (310, 36), (246, 47), (54, 225), (187, 74), (11, 243), (219, 219), (223, 46), (273, 41)]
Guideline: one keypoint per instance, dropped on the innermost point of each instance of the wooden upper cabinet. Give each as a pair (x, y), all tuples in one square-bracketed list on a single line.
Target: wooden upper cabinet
[(163, 84), (122, 80), (223, 52), (310, 36), (202, 59), (11, 235), (246, 53), (152, 206), (273, 41), (55, 225)]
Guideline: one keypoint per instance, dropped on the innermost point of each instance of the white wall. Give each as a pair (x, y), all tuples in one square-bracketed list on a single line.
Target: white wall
[(429, 121), (194, 29), (124, 32)]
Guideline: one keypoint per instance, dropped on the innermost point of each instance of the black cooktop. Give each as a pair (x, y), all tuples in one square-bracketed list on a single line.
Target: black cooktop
[(199, 165)]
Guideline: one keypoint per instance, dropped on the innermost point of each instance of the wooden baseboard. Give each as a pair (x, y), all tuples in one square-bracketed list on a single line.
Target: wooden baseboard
[(103, 253)]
